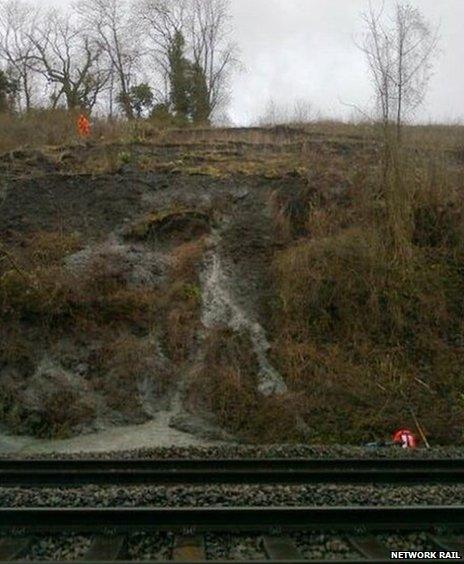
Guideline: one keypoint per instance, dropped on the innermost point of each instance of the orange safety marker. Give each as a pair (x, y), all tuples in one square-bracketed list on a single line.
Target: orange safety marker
[(404, 438), (83, 126)]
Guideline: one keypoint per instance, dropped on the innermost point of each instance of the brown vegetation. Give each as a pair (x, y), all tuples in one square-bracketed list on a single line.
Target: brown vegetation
[(44, 304), (369, 323), (182, 301), (365, 309), (226, 385)]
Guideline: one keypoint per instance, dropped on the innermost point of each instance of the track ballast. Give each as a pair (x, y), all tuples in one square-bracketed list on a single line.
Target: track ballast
[(110, 528)]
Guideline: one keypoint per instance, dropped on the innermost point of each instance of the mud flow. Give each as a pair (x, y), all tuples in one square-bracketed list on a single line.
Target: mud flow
[(116, 288), (202, 286)]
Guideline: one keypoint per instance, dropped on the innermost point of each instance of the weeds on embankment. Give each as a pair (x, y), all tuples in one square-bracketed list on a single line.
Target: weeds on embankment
[(366, 321), (80, 331), (369, 326), (367, 318)]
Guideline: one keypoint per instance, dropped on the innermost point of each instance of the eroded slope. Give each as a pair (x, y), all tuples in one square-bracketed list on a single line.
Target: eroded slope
[(274, 289)]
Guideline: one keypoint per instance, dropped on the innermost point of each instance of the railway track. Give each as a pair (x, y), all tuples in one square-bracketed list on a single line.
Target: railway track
[(227, 519), (110, 527), (108, 530), (35, 473)]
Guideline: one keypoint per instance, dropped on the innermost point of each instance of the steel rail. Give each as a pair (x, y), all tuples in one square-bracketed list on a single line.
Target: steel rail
[(231, 519), (288, 471), (206, 463)]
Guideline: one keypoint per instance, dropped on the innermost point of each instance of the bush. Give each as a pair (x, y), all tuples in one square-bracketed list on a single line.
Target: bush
[(226, 385), (369, 313), (49, 127), (132, 375), (51, 403), (45, 302)]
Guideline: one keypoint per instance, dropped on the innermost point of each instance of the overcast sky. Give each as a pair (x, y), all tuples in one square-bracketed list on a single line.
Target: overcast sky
[(304, 49)]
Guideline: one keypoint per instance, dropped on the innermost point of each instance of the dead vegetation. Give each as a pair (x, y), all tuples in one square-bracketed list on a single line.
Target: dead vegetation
[(47, 142), (98, 311), (43, 287), (181, 223), (365, 316), (182, 300), (130, 374), (94, 330), (369, 322), (226, 385)]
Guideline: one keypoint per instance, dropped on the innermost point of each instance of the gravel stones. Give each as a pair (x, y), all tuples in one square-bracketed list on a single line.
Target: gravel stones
[(59, 547), (150, 546), (312, 545), (159, 546), (229, 495), (236, 451), (407, 541), (233, 547), (323, 545)]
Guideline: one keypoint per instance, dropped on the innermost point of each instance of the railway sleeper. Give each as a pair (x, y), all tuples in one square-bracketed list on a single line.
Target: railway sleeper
[(190, 548), (451, 543), (280, 548), (13, 548), (370, 547), (106, 547)]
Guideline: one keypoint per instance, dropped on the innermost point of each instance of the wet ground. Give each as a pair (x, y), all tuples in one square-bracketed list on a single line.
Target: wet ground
[(156, 433), (111, 209)]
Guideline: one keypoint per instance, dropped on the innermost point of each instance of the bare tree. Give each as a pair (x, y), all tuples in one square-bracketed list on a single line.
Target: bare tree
[(163, 21), (69, 59), (302, 111), (17, 23), (399, 53), (205, 26), (111, 24), (212, 50)]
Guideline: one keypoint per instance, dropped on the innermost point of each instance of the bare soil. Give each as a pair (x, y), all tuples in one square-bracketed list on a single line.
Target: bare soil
[(136, 221)]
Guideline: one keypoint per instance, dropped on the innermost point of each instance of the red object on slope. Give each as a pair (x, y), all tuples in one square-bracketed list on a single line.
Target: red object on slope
[(405, 438), (83, 126)]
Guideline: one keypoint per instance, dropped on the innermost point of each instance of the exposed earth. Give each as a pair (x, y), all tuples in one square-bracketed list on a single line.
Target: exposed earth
[(153, 293), (132, 228)]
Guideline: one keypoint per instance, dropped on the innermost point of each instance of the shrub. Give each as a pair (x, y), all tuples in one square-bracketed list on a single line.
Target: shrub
[(368, 314), (132, 375), (226, 385), (48, 404)]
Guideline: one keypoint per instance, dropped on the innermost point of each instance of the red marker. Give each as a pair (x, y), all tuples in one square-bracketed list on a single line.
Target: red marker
[(83, 126), (405, 438)]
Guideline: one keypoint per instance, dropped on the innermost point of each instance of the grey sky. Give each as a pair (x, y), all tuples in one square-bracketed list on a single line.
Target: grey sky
[(304, 49)]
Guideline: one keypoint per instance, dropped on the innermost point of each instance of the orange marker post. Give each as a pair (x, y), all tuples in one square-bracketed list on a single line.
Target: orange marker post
[(404, 438), (83, 126)]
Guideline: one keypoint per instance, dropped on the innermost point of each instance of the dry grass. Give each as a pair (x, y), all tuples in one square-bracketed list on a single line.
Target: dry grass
[(269, 152), (370, 312), (36, 129), (226, 385), (43, 289), (366, 325), (123, 364), (115, 321), (61, 411), (40, 128), (177, 222), (182, 301), (43, 304), (58, 127)]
